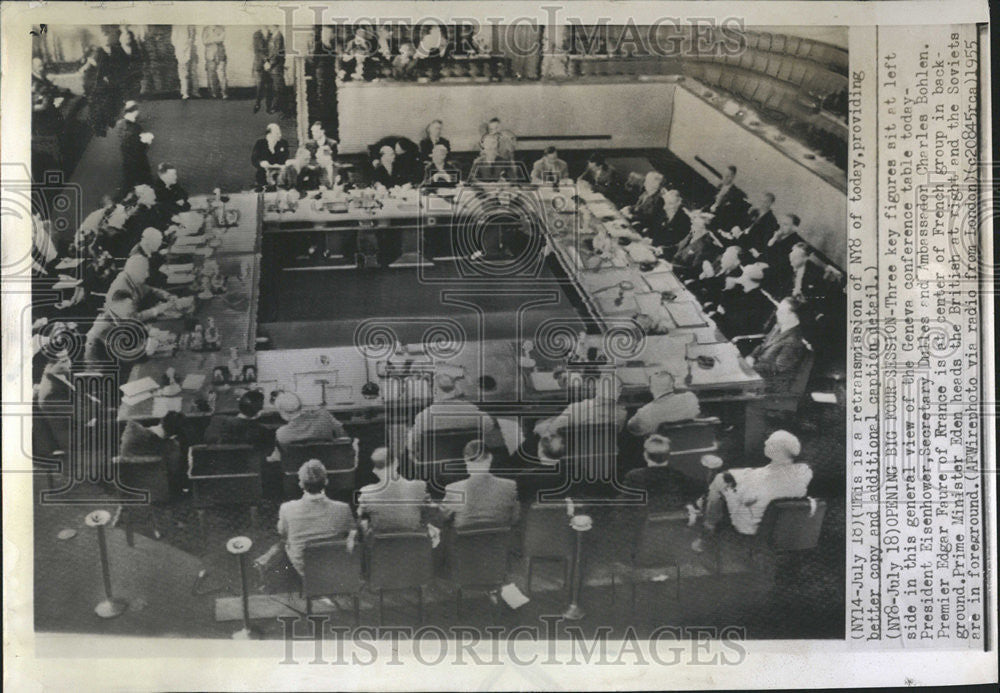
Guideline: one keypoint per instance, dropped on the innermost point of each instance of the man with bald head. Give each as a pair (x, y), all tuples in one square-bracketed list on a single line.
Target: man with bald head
[(751, 490), (134, 279), (149, 246), (647, 213)]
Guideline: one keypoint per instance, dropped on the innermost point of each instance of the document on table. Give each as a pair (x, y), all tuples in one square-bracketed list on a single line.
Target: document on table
[(727, 367), (685, 314), (135, 387), (162, 405)]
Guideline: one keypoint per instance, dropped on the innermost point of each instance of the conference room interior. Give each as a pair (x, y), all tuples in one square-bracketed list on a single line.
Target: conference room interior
[(283, 285)]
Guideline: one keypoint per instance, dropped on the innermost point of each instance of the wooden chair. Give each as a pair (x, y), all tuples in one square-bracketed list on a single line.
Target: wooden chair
[(478, 560), (657, 546), (391, 551), (143, 473), (548, 537), (339, 457), (330, 570), (225, 476)]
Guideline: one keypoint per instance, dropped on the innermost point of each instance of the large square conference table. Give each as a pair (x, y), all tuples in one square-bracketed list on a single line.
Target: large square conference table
[(472, 318)]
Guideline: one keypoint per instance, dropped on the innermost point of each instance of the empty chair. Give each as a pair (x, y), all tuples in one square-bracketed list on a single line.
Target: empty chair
[(661, 540), (477, 558), (760, 62), (437, 457), (387, 553), (778, 43), (142, 474), (747, 59), (689, 440), (726, 80), (548, 537), (774, 63), (225, 476), (785, 70), (792, 45), (764, 42), (340, 457), (789, 525), (330, 570)]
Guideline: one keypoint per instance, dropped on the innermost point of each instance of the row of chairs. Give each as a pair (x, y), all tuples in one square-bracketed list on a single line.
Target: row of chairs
[(822, 53), (478, 558), (794, 71)]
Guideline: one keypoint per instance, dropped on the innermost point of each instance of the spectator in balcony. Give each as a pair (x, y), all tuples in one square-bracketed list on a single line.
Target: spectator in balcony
[(432, 138), (128, 61), (603, 178), (214, 37), (647, 214), (134, 144), (356, 59), (667, 406), (185, 40), (550, 168)]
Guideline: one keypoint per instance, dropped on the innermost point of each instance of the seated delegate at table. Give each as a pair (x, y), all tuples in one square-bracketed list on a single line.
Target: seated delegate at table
[(666, 488), (304, 425), (801, 278), (432, 138), (490, 166), (160, 441), (743, 309), (149, 247), (119, 311), (303, 173), (392, 504), (675, 226), (697, 247), (550, 168), (778, 358), (775, 250), (440, 172), (646, 213), (388, 172), (319, 138), (760, 226), (312, 519), (603, 178), (727, 206), (752, 490), (667, 406), (133, 279), (481, 500), (269, 150), (602, 408), (450, 411), (709, 285), (171, 198), (244, 428)]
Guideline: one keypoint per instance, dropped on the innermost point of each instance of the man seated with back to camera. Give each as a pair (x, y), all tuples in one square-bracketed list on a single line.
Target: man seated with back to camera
[(666, 488), (602, 408), (482, 499), (312, 519), (134, 280), (244, 428), (392, 504), (743, 309), (163, 441), (747, 492), (315, 425), (451, 411), (668, 406)]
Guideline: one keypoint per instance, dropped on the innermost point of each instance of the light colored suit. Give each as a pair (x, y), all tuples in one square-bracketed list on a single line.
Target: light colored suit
[(482, 499), (395, 506), (675, 406), (558, 170), (310, 425), (309, 520)]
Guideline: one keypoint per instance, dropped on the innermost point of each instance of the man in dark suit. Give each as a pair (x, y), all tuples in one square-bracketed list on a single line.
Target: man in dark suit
[(779, 356), (261, 74), (244, 428), (134, 145), (666, 488), (171, 198), (647, 212), (675, 227), (762, 225), (325, 74), (743, 309), (728, 205), (804, 279), (481, 499), (387, 171), (160, 441), (603, 178), (711, 282), (275, 65), (697, 247), (778, 246), (433, 138), (270, 150)]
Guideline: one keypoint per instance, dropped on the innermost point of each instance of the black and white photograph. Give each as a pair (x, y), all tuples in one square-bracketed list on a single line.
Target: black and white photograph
[(495, 330)]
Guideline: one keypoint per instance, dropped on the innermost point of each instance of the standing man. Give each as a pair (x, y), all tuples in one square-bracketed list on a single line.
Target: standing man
[(134, 145), (325, 73), (185, 44), (214, 36), (275, 65), (261, 75)]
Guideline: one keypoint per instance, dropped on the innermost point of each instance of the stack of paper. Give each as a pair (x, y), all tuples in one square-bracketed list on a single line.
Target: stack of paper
[(138, 391), (663, 281), (69, 263)]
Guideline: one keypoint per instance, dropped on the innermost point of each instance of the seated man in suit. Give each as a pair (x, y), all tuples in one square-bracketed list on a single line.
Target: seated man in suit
[(761, 225), (776, 248), (119, 310), (743, 309), (149, 246), (676, 224), (667, 406), (601, 408), (779, 356), (646, 214), (550, 168), (318, 137), (450, 411), (482, 499), (432, 138), (303, 425), (162, 441), (312, 519), (171, 198), (727, 206), (666, 488), (392, 504), (244, 428), (387, 171), (747, 492), (440, 172), (491, 166), (133, 279), (696, 248), (603, 178), (804, 279), (709, 285)]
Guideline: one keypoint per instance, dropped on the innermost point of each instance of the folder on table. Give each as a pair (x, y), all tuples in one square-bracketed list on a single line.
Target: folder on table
[(130, 389), (193, 381), (685, 314)]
